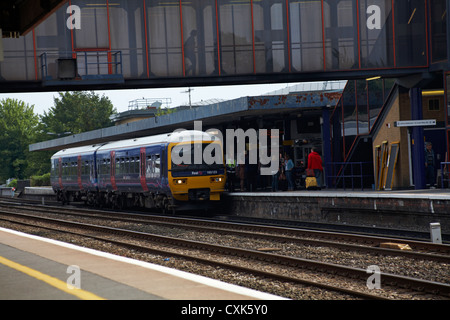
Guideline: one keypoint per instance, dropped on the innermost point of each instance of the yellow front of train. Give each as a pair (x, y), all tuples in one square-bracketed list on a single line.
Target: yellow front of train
[(196, 170)]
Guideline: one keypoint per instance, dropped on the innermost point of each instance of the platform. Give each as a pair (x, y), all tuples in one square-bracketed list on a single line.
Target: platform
[(36, 268), (408, 209)]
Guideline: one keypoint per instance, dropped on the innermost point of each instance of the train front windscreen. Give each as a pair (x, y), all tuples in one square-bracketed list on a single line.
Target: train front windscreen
[(197, 159)]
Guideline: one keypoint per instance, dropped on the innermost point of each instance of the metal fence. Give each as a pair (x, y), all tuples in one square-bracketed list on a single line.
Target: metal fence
[(445, 179), (349, 174)]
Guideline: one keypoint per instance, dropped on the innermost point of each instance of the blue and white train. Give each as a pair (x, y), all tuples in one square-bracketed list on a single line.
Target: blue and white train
[(141, 172)]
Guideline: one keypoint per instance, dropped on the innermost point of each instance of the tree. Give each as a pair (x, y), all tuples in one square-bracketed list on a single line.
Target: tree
[(77, 112), (18, 125)]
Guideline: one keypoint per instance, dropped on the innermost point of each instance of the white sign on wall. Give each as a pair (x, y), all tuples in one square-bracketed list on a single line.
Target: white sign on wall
[(415, 123)]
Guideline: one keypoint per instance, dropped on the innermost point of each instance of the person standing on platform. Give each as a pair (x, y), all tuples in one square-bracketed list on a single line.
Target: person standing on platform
[(315, 163), (430, 165), (275, 174), (289, 166), (231, 171), (241, 172)]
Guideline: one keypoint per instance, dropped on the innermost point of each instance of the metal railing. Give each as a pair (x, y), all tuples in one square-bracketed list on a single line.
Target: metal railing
[(348, 173), (88, 62), (444, 172)]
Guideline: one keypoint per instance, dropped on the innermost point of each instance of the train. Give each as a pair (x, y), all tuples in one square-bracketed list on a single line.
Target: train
[(169, 172)]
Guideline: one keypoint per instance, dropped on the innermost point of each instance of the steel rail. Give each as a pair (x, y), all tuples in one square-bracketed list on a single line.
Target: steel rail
[(290, 234), (234, 267), (346, 271)]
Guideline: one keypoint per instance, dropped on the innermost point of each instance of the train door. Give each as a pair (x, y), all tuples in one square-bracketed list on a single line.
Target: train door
[(142, 170), (80, 185), (60, 173), (163, 164), (113, 170)]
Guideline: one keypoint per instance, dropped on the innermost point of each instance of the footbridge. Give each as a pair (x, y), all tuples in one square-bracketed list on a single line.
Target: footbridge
[(57, 45)]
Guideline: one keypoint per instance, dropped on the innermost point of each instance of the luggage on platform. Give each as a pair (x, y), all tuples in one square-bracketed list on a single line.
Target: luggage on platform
[(311, 183)]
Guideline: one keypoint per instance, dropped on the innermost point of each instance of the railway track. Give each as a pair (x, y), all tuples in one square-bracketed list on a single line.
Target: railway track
[(201, 251), (346, 241)]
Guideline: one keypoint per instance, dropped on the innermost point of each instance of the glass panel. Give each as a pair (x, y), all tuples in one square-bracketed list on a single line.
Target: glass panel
[(306, 35), (52, 37), (236, 39), (438, 21), (375, 88), (164, 38), (94, 17), (376, 33), (270, 36), (388, 84), (200, 37), (361, 94), (341, 34), (350, 124), (410, 37), (447, 78), (128, 36), (18, 63), (336, 132)]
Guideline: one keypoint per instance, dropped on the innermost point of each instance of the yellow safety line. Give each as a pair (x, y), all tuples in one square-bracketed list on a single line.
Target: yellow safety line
[(61, 285)]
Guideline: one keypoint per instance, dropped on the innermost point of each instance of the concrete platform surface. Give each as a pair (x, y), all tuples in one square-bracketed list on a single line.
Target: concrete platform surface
[(33, 267)]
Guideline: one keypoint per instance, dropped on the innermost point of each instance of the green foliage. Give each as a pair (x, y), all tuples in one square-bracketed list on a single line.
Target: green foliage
[(73, 112), (39, 181), (76, 112), (163, 111), (18, 125)]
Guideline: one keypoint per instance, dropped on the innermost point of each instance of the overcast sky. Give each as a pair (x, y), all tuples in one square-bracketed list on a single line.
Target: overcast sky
[(120, 98)]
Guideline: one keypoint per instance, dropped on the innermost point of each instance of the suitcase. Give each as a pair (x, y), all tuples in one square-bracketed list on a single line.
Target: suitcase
[(311, 183)]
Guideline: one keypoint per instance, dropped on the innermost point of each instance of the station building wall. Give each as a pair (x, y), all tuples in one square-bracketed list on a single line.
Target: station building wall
[(398, 110), (388, 132)]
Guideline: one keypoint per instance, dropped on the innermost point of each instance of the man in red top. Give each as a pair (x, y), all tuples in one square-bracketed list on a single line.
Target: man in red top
[(315, 163)]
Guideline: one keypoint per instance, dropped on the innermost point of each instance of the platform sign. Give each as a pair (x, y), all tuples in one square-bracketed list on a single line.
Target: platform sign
[(415, 123)]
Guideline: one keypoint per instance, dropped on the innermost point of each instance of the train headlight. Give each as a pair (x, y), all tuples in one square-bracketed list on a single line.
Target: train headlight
[(217, 179), (179, 181)]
